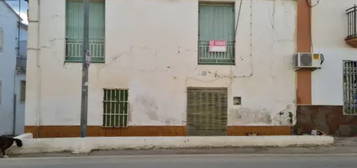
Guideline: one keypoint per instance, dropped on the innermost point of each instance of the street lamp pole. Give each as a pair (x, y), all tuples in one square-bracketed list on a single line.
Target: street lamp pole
[(85, 65)]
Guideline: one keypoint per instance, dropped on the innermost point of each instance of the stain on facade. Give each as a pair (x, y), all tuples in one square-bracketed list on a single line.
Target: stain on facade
[(328, 119)]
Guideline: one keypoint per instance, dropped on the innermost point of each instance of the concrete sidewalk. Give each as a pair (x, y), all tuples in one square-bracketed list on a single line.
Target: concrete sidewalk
[(86, 145)]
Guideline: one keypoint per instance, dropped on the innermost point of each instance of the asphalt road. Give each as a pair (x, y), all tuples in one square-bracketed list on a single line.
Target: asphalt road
[(188, 161)]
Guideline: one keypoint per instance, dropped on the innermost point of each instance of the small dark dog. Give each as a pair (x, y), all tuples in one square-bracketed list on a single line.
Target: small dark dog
[(6, 142)]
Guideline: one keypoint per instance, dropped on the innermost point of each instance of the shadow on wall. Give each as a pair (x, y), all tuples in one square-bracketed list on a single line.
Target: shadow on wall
[(328, 119)]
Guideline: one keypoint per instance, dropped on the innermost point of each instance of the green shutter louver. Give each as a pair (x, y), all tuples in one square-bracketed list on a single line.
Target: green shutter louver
[(206, 111), (216, 22), (74, 30)]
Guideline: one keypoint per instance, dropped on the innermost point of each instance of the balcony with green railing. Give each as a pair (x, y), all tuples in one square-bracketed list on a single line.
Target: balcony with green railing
[(207, 57), (74, 50)]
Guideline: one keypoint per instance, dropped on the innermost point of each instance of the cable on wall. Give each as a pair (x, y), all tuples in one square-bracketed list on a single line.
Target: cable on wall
[(238, 16)]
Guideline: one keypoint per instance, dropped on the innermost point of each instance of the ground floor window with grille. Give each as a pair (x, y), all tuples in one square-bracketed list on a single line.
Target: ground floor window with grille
[(74, 30), (350, 87), (115, 107)]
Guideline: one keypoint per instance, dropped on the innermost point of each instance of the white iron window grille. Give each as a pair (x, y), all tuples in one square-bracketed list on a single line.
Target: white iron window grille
[(350, 87)]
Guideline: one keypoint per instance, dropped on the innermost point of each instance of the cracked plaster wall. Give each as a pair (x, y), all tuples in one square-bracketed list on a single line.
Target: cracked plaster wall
[(151, 49)]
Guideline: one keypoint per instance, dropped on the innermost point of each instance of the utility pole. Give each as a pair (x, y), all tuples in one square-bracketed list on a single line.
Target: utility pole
[(85, 65)]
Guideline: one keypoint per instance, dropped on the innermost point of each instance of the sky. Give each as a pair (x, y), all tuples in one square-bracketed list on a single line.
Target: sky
[(15, 6)]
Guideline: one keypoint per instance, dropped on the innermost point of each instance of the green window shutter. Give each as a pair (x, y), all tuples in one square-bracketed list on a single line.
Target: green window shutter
[(115, 108), (74, 20), (216, 22), (74, 30), (97, 20)]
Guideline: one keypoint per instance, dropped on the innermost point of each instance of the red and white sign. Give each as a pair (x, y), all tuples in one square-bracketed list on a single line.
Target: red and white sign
[(217, 46)]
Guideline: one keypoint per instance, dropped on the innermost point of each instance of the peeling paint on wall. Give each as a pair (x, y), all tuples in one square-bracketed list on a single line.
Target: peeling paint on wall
[(147, 106), (249, 116), (154, 55)]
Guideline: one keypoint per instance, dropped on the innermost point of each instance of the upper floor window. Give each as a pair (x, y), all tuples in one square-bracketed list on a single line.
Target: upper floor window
[(216, 43), (74, 30)]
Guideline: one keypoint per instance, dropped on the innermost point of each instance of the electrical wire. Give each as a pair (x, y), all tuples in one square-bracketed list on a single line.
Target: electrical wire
[(240, 9)]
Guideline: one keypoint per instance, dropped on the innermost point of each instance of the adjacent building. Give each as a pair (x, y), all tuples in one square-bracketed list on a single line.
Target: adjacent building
[(333, 105), (185, 67), (13, 37)]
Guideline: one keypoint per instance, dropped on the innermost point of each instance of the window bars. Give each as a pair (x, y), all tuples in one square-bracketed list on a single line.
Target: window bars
[(74, 50), (350, 87), (351, 22), (220, 58), (115, 107)]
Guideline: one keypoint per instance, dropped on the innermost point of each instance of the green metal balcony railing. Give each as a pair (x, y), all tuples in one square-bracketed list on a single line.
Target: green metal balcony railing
[(216, 58), (74, 50)]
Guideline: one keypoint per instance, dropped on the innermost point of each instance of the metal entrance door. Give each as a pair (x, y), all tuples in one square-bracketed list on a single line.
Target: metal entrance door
[(206, 111)]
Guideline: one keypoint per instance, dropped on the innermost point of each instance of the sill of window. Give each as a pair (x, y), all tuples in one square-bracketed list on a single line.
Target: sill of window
[(113, 127), (94, 62), (219, 64)]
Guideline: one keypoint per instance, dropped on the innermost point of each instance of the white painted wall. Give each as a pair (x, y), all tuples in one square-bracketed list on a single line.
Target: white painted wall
[(8, 22), (329, 29), (151, 49), (88, 144)]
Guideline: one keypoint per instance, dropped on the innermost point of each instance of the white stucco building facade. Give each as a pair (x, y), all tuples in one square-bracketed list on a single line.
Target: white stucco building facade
[(151, 49), (11, 116), (333, 87), (328, 82)]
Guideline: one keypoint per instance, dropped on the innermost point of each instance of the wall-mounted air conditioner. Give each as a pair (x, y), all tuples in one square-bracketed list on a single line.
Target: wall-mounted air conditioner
[(308, 60)]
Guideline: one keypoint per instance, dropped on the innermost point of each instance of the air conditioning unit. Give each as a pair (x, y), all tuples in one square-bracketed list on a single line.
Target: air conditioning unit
[(308, 60)]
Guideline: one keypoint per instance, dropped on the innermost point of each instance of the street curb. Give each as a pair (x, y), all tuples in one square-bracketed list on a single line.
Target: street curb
[(88, 144)]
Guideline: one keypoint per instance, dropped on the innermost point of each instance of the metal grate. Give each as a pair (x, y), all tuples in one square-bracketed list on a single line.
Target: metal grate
[(206, 57), (115, 106), (306, 60), (350, 87), (74, 50), (351, 22), (207, 111)]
